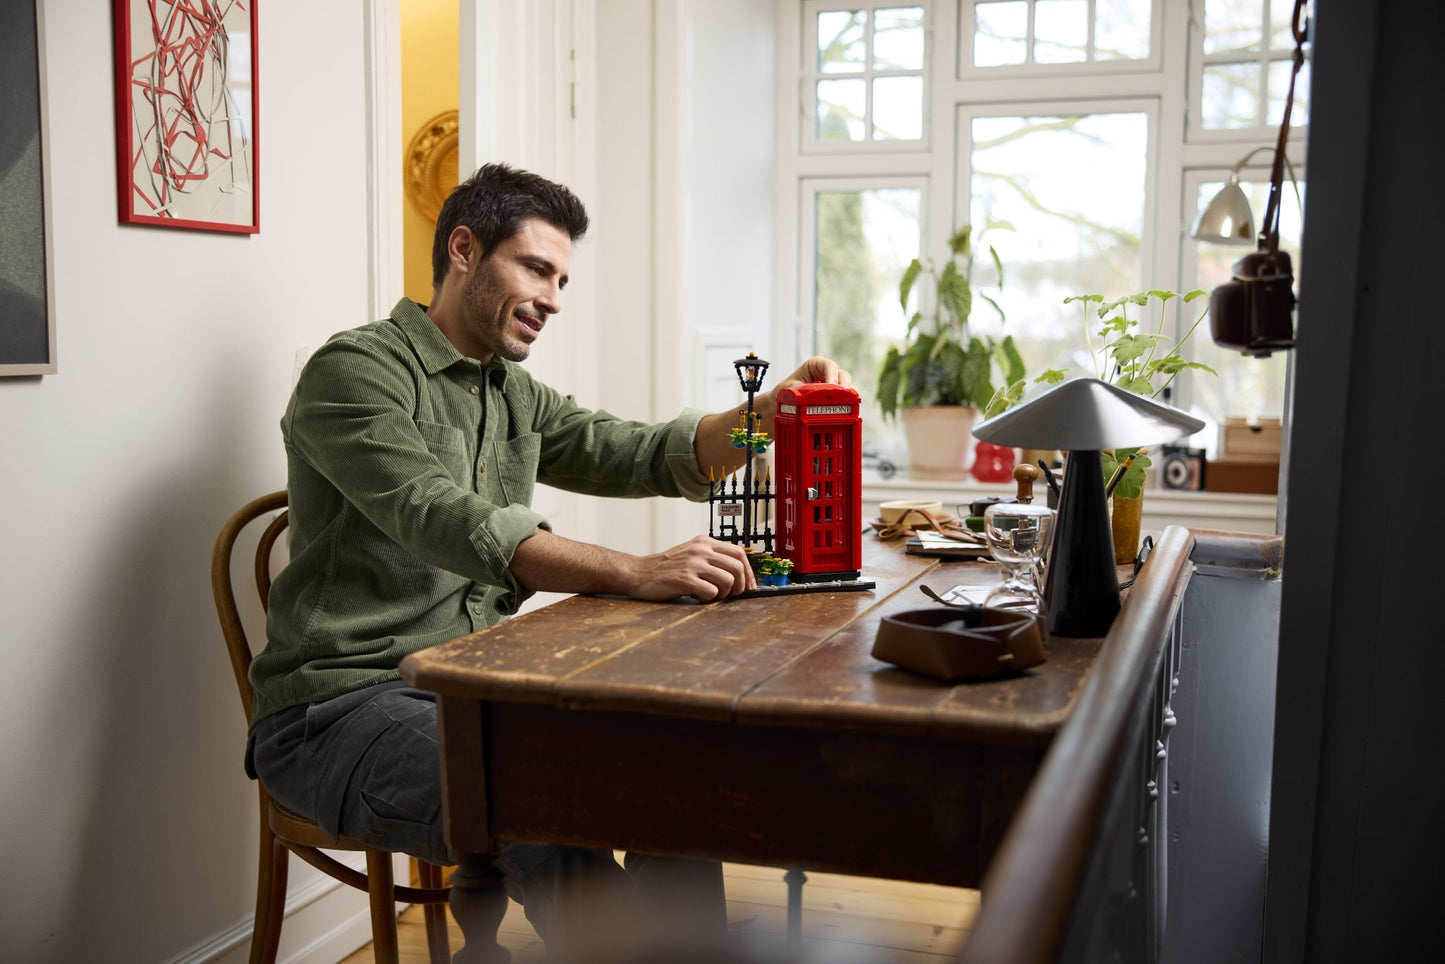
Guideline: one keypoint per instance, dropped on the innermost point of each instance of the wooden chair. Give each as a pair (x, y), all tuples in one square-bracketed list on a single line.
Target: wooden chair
[(282, 830)]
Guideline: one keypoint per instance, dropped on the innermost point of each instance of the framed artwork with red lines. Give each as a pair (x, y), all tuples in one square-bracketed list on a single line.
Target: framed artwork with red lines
[(186, 113)]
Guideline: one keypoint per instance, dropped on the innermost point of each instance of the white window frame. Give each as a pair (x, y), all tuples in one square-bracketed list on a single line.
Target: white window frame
[(804, 333), (809, 75), (1196, 132), (966, 69), (1149, 107)]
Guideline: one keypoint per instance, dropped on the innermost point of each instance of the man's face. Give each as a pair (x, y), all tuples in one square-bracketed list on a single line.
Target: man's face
[(514, 290)]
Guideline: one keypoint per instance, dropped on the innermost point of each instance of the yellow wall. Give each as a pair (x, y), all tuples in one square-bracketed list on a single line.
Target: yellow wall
[(428, 87)]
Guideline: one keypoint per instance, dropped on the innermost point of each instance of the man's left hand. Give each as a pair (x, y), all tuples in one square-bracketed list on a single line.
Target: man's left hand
[(817, 369)]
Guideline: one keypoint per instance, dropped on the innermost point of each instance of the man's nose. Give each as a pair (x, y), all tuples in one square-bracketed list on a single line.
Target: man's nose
[(549, 301)]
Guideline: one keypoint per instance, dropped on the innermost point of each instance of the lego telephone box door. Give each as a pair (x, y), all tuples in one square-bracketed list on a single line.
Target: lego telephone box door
[(827, 491)]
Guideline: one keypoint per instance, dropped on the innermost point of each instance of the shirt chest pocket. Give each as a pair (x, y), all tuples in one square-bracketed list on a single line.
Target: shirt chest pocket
[(515, 463), (449, 446)]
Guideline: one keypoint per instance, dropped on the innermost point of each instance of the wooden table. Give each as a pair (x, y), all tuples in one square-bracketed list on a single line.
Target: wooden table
[(757, 730)]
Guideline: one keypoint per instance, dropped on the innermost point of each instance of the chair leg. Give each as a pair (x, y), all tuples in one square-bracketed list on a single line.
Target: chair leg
[(383, 906), (436, 916), (270, 895)]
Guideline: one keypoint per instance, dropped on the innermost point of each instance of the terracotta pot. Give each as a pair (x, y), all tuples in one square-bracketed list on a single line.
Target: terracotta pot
[(1124, 520), (940, 440)]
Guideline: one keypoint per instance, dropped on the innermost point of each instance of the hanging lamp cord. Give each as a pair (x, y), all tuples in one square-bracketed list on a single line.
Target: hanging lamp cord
[(1269, 227)]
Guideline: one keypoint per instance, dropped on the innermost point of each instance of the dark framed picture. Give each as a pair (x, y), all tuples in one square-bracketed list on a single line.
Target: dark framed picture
[(186, 113), (27, 329)]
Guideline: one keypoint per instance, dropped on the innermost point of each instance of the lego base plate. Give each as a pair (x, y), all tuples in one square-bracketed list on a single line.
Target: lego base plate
[(837, 585)]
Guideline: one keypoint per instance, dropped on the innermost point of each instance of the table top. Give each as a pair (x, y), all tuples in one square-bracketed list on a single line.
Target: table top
[(785, 660)]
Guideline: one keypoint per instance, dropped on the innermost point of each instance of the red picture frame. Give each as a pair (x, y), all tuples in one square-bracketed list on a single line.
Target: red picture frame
[(186, 114)]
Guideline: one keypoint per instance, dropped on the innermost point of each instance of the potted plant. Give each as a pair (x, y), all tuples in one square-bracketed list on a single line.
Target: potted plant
[(943, 374), (1134, 360)]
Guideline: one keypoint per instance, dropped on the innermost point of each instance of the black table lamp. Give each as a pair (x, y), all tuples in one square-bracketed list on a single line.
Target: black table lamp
[(1082, 417)]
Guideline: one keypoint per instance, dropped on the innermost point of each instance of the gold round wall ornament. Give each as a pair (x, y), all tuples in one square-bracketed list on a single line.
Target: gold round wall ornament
[(431, 164)]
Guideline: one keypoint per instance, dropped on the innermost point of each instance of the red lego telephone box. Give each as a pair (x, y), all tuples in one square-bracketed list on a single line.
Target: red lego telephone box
[(818, 464)]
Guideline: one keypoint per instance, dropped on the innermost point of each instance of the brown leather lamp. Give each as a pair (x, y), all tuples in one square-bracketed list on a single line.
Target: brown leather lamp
[(1081, 417)]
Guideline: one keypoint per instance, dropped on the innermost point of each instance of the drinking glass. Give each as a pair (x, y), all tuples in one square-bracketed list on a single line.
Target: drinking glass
[(1018, 535)]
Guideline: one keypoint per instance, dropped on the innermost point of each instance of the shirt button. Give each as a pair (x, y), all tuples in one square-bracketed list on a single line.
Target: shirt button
[(475, 390), (481, 467), (477, 610)]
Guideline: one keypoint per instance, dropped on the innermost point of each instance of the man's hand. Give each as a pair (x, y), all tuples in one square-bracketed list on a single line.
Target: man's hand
[(713, 447), (703, 568), (816, 369)]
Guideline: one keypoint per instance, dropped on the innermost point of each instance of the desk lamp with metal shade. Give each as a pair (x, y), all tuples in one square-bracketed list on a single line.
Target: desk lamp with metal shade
[(1082, 417)]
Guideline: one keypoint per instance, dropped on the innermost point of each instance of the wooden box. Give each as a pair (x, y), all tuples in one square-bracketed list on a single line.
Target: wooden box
[(1246, 439), (1242, 475)]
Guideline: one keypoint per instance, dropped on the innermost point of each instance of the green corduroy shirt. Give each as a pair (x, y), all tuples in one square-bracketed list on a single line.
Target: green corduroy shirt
[(410, 473)]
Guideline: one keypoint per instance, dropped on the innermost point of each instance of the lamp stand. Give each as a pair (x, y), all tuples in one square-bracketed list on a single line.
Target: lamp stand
[(1082, 591)]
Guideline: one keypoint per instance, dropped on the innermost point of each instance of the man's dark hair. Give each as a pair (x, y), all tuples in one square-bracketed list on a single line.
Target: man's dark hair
[(494, 202)]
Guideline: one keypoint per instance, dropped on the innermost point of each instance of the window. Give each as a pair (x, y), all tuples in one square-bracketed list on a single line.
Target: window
[(1253, 389), (1065, 181), (1020, 33), (1244, 67), (865, 75), (859, 239), (1078, 138)]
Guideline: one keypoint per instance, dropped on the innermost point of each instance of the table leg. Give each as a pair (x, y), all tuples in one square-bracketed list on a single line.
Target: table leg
[(478, 902), (795, 878), (478, 899)]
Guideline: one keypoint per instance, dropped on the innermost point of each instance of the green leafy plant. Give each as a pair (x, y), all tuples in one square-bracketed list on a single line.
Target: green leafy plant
[(1134, 360), (942, 363)]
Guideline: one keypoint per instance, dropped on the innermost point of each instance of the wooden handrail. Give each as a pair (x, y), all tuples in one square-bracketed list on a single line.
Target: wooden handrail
[(1034, 881)]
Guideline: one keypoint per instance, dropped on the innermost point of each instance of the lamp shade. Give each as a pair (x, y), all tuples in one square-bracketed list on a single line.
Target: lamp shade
[(1081, 417), (1086, 413), (1226, 219)]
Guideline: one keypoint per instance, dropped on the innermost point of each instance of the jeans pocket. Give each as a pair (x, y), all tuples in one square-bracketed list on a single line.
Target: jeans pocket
[(382, 824)]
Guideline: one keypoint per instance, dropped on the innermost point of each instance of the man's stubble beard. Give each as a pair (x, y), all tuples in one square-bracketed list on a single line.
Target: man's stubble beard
[(481, 294)]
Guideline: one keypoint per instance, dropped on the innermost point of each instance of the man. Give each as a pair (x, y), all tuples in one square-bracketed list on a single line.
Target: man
[(413, 445)]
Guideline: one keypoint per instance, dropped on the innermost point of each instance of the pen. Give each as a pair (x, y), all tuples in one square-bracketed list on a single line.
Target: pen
[(1049, 478), (1118, 474)]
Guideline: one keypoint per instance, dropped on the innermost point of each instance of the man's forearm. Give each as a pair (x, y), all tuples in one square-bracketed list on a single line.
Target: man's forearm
[(547, 562), (702, 568)]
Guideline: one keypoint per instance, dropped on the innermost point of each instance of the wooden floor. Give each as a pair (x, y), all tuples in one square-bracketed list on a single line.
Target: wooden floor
[(846, 920)]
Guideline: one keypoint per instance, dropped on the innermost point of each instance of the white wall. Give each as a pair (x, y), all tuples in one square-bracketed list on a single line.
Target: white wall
[(683, 218), (123, 805), (128, 824)]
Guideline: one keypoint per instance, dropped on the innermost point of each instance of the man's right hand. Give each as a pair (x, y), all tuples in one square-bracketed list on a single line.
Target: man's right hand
[(703, 568)]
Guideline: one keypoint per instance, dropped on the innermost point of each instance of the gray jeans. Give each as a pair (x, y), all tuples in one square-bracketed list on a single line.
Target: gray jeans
[(365, 765)]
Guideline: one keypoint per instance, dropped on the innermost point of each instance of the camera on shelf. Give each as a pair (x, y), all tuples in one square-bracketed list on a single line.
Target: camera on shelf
[(1182, 468), (1254, 313)]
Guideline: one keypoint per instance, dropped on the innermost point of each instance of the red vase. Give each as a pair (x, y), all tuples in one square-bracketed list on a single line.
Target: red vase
[(993, 463)]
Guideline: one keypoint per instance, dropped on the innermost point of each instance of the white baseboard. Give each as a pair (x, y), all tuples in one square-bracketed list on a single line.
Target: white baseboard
[(325, 921)]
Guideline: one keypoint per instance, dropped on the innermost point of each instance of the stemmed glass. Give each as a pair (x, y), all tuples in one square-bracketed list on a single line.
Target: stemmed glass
[(1018, 535)]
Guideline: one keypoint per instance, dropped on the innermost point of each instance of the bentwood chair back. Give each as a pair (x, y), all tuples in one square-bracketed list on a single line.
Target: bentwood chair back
[(282, 830)]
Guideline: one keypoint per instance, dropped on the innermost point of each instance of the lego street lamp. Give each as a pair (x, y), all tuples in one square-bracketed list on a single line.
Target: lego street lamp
[(750, 376)]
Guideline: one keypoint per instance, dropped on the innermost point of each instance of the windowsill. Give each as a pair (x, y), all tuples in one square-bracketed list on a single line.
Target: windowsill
[(1230, 511)]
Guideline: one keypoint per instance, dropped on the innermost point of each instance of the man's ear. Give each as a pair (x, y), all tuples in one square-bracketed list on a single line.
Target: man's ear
[(463, 248)]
